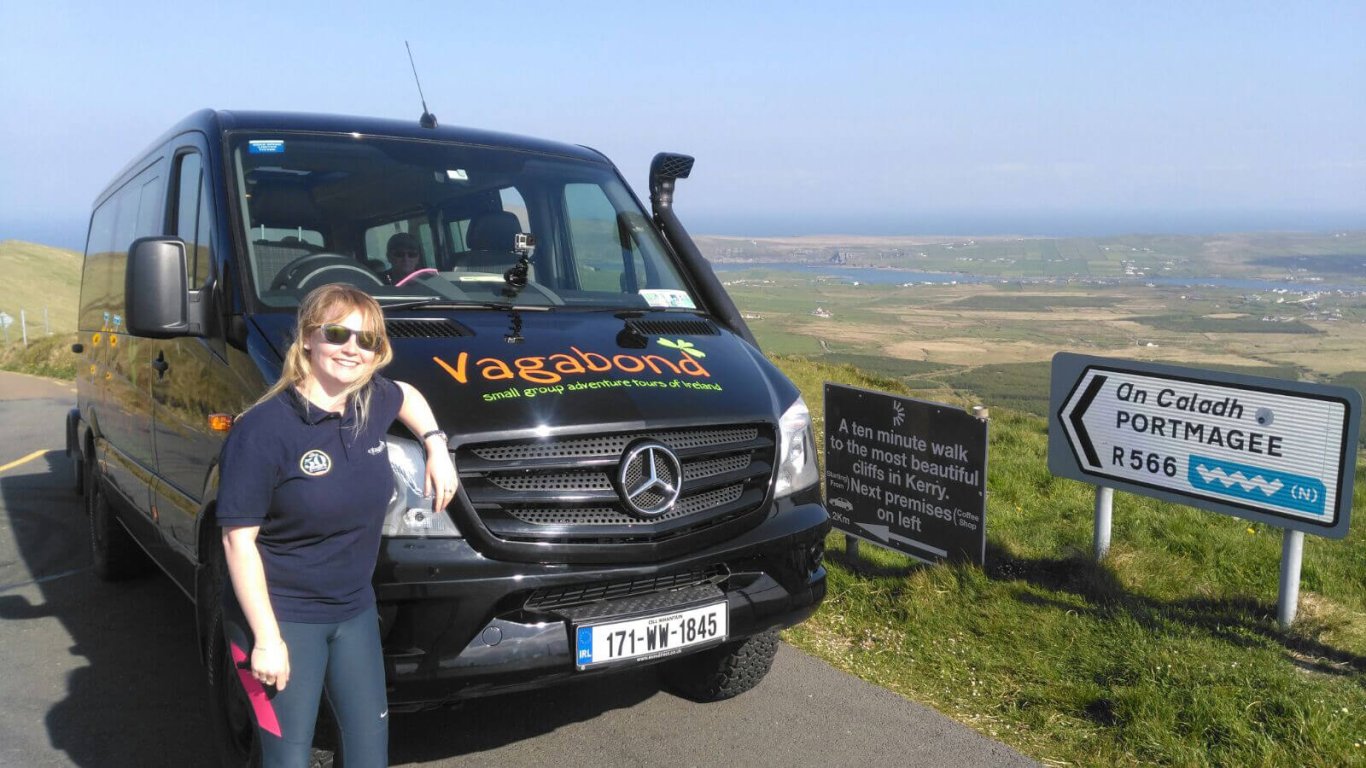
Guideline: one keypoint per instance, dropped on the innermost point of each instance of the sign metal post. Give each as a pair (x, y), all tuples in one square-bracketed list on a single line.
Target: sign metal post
[(1105, 500)]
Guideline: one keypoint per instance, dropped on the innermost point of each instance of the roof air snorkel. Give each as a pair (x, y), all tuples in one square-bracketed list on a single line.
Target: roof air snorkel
[(664, 169)]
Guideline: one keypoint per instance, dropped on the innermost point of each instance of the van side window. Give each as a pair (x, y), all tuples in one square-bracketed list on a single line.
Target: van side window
[(136, 210), (605, 255), (100, 265), (193, 219)]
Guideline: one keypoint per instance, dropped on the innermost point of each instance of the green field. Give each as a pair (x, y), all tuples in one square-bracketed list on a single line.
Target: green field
[(37, 279), (44, 283)]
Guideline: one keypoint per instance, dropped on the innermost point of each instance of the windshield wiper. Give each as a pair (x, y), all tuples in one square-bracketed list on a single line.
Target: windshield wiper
[(433, 302)]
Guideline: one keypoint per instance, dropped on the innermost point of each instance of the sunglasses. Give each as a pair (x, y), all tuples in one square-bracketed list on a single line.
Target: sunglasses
[(336, 334)]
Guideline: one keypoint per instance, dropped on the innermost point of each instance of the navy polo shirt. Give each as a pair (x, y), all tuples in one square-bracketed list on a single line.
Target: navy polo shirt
[(318, 489)]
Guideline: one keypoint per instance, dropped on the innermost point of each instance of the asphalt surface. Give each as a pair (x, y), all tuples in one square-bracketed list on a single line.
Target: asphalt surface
[(101, 674)]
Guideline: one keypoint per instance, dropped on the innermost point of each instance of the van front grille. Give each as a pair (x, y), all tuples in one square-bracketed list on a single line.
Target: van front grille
[(559, 493), (560, 598)]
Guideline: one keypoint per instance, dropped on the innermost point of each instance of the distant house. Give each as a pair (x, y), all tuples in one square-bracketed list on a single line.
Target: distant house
[(821, 312)]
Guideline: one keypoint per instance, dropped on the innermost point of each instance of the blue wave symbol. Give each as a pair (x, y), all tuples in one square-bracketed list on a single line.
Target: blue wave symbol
[(1259, 485)]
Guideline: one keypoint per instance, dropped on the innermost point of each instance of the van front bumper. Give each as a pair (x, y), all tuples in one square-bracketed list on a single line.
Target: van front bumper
[(457, 625)]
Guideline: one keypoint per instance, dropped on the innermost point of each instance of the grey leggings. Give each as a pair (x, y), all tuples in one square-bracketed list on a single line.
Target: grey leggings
[(342, 659)]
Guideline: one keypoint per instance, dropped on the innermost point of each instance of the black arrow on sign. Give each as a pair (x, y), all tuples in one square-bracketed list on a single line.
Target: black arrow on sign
[(1092, 390)]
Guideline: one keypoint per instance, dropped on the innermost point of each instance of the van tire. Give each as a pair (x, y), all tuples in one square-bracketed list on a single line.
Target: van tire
[(113, 552), (722, 672), (77, 473), (235, 738)]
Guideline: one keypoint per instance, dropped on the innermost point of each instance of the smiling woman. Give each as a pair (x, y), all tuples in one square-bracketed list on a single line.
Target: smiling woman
[(302, 509)]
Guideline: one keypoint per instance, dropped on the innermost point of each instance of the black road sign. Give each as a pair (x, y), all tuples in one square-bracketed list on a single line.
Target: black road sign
[(907, 474)]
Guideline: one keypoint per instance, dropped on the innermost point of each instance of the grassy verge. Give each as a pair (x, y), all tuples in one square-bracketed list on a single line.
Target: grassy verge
[(49, 356), (1168, 653)]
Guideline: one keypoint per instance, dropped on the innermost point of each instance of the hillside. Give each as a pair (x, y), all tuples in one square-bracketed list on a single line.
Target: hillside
[(38, 277)]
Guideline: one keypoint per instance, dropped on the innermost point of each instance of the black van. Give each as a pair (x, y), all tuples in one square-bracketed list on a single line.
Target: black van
[(638, 481)]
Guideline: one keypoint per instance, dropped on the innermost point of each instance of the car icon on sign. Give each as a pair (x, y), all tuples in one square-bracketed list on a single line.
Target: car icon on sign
[(842, 503)]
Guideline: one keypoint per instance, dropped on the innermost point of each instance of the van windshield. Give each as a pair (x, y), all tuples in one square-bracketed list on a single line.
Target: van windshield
[(417, 222)]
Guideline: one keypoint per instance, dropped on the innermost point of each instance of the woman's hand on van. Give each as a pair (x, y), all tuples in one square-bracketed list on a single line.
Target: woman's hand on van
[(442, 480)]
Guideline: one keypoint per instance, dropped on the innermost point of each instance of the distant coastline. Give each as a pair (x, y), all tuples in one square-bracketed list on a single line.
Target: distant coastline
[(895, 276)]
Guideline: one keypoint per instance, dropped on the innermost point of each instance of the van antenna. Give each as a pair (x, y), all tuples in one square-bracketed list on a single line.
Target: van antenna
[(428, 120)]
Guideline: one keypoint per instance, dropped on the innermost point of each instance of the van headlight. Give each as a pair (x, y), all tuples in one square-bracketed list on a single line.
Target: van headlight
[(410, 513), (796, 451)]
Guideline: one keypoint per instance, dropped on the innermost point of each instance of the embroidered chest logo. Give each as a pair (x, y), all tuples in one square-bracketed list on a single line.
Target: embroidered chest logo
[(315, 463)]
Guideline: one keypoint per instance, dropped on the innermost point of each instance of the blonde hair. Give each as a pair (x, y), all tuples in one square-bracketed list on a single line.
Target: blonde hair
[(325, 304)]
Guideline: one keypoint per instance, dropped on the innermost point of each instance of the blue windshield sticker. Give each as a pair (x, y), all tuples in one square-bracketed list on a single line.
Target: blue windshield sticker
[(266, 146)]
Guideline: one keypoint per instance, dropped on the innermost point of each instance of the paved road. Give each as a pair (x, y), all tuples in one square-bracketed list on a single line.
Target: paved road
[(106, 675)]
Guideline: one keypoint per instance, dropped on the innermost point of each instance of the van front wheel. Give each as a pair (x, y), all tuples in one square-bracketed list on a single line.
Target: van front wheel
[(722, 672)]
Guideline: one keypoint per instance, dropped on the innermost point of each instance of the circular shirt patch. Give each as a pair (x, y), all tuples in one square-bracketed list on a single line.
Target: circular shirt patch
[(315, 463)]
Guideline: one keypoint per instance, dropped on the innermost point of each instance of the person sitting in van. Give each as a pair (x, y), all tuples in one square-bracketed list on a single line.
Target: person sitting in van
[(405, 254), (405, 257)]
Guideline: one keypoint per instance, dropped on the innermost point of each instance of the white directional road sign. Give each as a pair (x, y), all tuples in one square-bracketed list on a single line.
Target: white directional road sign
[(1275, 451)]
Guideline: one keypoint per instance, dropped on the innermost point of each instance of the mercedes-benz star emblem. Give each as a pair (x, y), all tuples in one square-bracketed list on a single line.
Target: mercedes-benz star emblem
[(649, 479)]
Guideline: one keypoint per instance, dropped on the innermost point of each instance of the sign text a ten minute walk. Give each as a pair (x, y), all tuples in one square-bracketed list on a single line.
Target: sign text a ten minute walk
[(1279, 452), (906, 474)]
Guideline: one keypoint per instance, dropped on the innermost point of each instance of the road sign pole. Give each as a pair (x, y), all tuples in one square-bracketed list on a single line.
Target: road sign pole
[(1292, 554), (850, 547), (1105, 500), (23, 327)]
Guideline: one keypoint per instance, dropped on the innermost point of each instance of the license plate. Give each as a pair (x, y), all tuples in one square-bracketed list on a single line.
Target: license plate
[(650, 637)]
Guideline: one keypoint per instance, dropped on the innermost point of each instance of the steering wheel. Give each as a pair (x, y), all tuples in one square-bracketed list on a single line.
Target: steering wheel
[(415, 273), (300, 272)]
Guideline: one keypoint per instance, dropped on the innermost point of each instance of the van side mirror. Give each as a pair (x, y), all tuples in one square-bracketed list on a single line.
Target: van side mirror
[(157, 302)]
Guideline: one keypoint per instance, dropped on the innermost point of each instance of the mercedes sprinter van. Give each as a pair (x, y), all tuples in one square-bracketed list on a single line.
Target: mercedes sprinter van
[(638, 483)]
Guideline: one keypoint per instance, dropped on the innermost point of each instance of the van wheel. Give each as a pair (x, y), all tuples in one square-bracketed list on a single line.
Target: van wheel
[(723, 672), (235, 738), (77, 473), (115, 555)]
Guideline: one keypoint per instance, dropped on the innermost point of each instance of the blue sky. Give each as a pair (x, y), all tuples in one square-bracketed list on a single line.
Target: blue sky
[(883, 118)]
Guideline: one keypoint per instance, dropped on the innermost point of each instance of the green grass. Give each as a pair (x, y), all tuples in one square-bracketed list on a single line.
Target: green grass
[(49, 356), (1168, 653), (1018, 386), (1007, 302), (38, 278), (1249, 324), (885, 366)]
